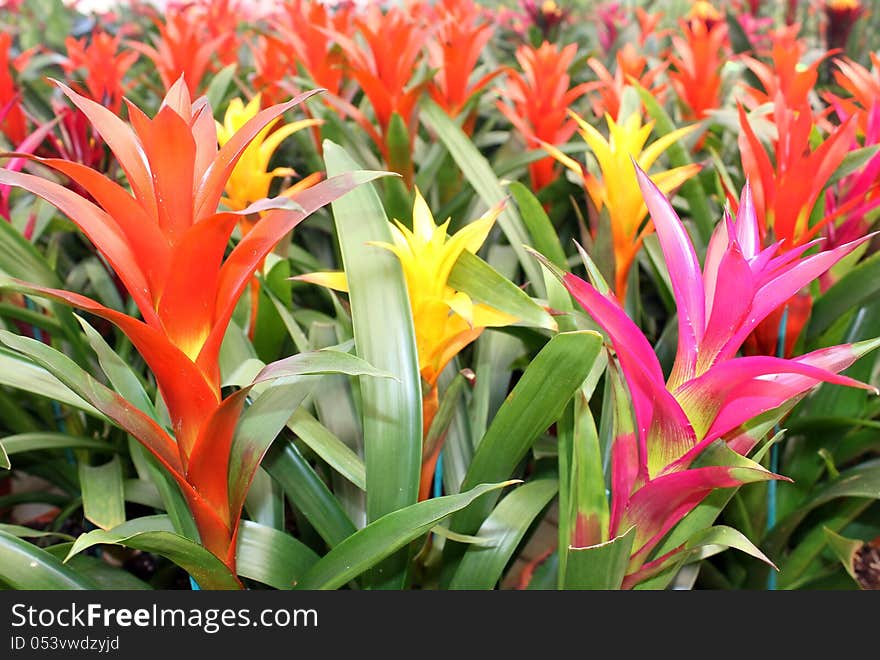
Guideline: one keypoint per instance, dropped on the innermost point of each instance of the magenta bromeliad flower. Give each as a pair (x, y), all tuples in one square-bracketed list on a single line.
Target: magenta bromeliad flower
[(711, 393)]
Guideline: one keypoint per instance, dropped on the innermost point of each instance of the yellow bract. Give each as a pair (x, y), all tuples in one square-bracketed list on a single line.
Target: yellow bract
[(618, 190), (251, 177), (445, 320)]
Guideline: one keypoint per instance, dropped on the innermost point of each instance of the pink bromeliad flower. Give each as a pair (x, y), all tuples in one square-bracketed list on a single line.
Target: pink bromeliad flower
[(711, 393)]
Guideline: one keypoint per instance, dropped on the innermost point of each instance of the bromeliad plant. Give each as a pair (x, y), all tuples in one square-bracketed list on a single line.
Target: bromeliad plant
[(167, 241), (663, 455)]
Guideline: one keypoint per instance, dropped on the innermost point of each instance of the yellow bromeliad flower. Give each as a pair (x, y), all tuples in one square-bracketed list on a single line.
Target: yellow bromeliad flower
[(445, 320), (618, 189), (252, 177)]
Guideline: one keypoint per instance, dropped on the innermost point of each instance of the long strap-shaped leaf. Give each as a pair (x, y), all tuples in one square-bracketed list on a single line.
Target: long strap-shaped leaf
[(25, 566), (480, 175), (381, 538), (384, 336)]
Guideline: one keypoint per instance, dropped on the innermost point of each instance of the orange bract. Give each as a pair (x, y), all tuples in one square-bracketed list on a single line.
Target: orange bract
[(538, 100)]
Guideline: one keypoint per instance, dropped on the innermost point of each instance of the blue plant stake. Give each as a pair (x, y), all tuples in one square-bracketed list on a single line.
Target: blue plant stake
[(774, 450)]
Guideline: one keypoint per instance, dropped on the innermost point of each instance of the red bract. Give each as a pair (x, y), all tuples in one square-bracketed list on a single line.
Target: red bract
[(538, 100), (784, 74), (787, 185), (385, 69), (184, 48), (631, 66), (161, 238), (454, 49), (13, 123), (308, 29), (841, 16), (697, 57), (103, 66)]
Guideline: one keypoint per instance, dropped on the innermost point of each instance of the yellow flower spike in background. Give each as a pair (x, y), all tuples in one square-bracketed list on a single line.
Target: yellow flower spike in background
[(445, 320), (251, 178), (618, 189)]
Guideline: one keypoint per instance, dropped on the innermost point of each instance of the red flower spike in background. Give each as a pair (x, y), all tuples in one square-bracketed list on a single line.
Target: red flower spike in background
[(784, 74), (710, 393), (841, 16), (183, 48), (385, 70), (697, 57), (308, 29), (546, 15), (631, 66), (787, 186), (538, 100), (13, 122), (160, 238), (103, 65), (454, 49)]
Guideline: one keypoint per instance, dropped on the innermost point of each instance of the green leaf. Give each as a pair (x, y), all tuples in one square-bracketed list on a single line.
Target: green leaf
[(486, 285), (309, 493), (536, 401), (858, 287), (379, 539), (22, 374), (330, 448), (384, 336), (103, 493), (480, 175), (845, 550), (324, 361), (119, 373), (24, 566), (219, 84), (482, 567), (271, 556), (27, 533), (544, 236), (36, 441), (852, 162), (154, 534), (601, 566)]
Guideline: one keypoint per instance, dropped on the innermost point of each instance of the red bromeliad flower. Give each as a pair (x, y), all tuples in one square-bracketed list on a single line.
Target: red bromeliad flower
[(787, 185), (785, 74), (862, 85), (184, 47), (710, 393), (13, 122), (610, 17), (698, 54), (841, 16), (309, 29), (160, 238), (545, 15), (631, 66), (538, 100), (104, 67), (385, 69), (454, 49)]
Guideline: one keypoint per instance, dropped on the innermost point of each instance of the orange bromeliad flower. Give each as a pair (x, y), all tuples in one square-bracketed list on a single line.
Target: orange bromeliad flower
[(453, 50), (183, 48), (105, 67), (167, 241), (385, 70), (698, 55), (630, 66), (785, 74), (786, 187), (309, 29), (618, 190), (538, 100)]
